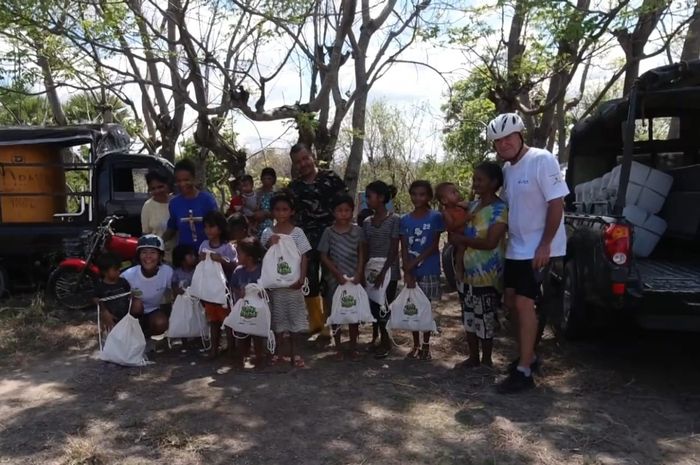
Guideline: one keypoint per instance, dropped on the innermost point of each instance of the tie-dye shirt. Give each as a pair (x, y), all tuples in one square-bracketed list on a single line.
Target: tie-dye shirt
[(484, 268)]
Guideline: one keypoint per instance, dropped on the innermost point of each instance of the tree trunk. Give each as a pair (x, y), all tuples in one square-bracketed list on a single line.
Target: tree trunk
[(633, 43), (51, 95), (691, 51), (352, 170)]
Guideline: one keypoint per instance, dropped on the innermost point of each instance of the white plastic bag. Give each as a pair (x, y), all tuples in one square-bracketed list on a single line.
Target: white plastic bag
[(372, 269), (209, 282), (125, 344), (411, 311), (187, 318), (350, 306), (281, 266), (251, 313)]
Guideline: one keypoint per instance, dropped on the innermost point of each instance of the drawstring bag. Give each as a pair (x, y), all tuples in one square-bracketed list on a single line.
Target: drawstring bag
[(372, 269), (350, 305), (187, 318), (125, 344), (209, 282), (411, 311), (281, 266), (251, 315)]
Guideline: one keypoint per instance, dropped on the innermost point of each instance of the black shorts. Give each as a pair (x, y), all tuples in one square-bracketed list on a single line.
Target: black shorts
[(519, 275)]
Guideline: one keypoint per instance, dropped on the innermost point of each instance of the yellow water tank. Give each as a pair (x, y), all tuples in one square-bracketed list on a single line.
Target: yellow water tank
[(36, 170)]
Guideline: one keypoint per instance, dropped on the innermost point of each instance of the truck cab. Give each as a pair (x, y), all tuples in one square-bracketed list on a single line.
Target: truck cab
[(56, 185), (633, 218)]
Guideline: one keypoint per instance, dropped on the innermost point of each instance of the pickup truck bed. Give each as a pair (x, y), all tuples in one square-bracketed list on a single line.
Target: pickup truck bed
[(663, 276)]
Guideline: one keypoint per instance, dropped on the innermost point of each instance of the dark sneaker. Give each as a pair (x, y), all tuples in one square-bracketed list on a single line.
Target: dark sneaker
[(515, 382), (534, 366)]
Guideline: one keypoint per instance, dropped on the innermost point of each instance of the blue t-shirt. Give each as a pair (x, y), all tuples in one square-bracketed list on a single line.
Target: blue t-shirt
[(186, 217), (241, 277), (420, 234)]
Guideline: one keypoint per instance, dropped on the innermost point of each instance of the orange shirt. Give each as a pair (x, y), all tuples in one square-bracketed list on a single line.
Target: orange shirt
[(458, 219)]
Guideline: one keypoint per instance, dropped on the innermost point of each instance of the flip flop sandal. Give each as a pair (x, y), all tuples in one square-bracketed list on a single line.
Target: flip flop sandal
[(413, 353), (424, 354), (299, 362)]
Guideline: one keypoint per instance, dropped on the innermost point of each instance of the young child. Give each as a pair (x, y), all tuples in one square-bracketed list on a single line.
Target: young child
[(236, 203), (484, 241), (250, 254), (237, 227), (184, 261), (287, 305), (455, 210), (382, 234), (220, 250), (420, 238), (268, 178), (111, 284), (342, 253), (455, 214), (250, 201)]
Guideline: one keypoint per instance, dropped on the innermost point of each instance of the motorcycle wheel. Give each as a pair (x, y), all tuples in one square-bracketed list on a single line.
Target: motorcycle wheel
[(71, 288)]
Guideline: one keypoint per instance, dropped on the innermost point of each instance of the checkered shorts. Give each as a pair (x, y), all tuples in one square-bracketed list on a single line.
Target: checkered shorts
[(431, 286)]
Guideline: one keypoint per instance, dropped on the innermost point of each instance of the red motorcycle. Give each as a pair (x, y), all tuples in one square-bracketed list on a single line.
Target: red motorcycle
[(72, 283)]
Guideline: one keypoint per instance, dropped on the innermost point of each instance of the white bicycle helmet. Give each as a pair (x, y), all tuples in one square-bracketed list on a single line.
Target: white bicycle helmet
[(150, 241), (503, 125)]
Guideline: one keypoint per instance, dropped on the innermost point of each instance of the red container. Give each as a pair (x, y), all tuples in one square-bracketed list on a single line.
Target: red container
[(123, 245)]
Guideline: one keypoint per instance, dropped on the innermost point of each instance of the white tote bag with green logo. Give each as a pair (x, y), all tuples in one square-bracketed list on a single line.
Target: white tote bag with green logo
[(350, 306), (411, 311), (251, 313), (281, 266), (373, 267)]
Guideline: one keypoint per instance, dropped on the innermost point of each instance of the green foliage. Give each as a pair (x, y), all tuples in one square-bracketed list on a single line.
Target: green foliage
[(466, 114)]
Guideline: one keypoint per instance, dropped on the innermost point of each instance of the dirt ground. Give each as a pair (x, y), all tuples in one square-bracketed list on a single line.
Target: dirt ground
[(615, 399)]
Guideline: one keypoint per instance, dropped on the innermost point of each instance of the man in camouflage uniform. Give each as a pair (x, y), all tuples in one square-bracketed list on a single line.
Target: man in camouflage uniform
[(314, 190)]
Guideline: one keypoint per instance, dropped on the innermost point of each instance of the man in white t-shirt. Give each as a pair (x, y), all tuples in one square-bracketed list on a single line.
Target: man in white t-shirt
[(534, 190)]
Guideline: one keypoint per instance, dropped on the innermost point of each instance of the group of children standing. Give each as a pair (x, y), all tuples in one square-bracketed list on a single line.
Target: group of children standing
[(408, 243)]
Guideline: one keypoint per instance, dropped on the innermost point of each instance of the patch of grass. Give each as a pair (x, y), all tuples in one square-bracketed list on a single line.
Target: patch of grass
[(82, 451), (168, 436), (28, 327)]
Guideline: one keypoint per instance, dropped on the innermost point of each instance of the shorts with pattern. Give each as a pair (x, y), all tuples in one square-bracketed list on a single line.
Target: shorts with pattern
[(288, 311), (431, 286), (481, 306)]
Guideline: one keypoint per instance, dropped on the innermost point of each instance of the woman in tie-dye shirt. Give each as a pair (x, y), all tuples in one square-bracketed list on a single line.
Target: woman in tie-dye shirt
[(484, 255)]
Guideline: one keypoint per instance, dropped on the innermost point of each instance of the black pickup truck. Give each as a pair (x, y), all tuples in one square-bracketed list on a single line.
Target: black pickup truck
[(602, 280)]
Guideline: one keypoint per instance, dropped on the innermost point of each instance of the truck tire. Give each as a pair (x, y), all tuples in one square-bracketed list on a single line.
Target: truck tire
[(64, 289), (4, 282), (571, 321)]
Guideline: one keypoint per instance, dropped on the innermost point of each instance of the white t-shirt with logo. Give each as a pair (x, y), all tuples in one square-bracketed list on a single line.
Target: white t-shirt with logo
[(529, 185), (149, 290)]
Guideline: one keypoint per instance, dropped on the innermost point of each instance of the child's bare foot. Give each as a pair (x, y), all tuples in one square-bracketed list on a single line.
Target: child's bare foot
[(299, 362), (424, 353), (413, 353)]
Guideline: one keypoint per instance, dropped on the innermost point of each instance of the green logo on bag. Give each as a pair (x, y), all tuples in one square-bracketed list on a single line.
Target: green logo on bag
[(410, 308), (283, 267), (372, 276), (347, 301), (248, 311)]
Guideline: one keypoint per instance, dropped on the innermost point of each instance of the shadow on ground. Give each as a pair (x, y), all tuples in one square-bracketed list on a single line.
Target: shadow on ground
[(618, 399)]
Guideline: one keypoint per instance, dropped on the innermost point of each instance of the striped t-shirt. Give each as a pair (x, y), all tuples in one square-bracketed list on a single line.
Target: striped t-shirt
[(342, 248), (379, 239)]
